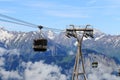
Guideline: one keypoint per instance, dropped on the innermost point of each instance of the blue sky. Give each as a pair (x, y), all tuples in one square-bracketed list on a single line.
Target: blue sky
[(101, 14)]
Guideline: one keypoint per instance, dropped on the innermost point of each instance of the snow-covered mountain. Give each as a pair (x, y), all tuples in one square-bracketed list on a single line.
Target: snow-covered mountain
[(106, 44), (103, 43), (18, 61), (5, 35)]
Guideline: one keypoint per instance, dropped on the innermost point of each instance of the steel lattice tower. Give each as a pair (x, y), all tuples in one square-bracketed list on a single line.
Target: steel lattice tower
[(79, 69)]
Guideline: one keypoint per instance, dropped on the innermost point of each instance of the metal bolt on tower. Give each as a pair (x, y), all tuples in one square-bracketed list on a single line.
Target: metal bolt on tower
[(79, 69)]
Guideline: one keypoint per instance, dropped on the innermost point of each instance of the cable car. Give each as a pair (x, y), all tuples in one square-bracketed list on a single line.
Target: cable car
[(94, 64), (40, 44), (119, 73)]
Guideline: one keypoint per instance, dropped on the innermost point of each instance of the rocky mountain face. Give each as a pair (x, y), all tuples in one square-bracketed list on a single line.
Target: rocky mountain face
[(107, 44), (18, 61)]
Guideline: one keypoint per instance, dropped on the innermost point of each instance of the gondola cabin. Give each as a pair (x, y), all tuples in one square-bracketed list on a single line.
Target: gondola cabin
[(94, 64), (40, 45), (119, 73)]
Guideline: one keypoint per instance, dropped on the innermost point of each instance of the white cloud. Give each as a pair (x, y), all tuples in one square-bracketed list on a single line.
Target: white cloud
[(2, 51), (110, 77), (34, 71), (41, 71), (105, 67), (2, 61), (103, 76), (6, 75), (93, 77)]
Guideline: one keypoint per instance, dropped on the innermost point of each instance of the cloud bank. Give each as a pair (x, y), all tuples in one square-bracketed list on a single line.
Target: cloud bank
[(41, 71)]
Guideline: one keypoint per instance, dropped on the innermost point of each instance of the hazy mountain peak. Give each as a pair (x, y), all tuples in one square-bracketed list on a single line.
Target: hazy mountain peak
[(98, 32)]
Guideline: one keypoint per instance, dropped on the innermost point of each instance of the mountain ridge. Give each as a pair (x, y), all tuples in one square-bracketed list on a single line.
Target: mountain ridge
[(101, 42)]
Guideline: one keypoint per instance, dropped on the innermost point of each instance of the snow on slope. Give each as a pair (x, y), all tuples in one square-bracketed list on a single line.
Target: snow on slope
[(4, 35), (50, 35), (97, 38)]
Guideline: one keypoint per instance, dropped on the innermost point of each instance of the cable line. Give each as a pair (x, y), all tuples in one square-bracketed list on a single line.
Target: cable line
[(25, 23), (17, 23), (8, 17)]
